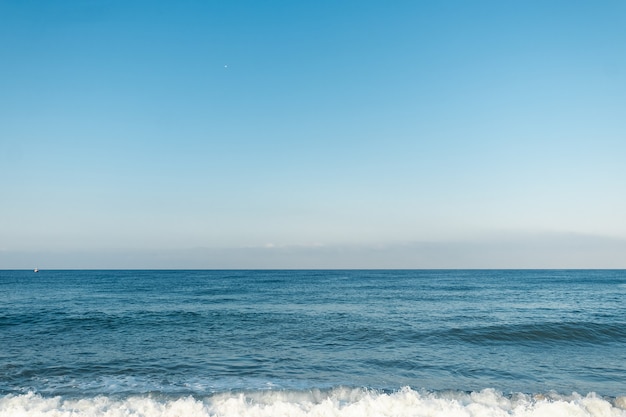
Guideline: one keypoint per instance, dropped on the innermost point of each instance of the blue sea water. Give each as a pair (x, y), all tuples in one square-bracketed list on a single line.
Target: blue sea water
[(274, 343)]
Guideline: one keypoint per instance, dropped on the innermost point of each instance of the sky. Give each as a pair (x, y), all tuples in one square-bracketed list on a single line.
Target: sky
[(318, 134)]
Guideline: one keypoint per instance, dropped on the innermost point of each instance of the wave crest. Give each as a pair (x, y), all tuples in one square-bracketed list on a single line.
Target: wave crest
[(347, 402)]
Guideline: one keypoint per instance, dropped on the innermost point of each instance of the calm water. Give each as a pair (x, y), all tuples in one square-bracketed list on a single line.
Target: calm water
[(306, 342)]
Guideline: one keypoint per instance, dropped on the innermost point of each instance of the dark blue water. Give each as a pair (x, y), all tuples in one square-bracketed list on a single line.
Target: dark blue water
[(173, 334)]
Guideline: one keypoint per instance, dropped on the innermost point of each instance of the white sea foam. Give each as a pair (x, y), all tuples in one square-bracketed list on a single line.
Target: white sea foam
[(337, 402)]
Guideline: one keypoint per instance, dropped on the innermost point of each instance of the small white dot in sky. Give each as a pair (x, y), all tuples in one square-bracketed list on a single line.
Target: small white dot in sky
[(225, 66)]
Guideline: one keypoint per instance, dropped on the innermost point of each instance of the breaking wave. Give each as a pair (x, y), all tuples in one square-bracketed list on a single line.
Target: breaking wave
[(335, 402)]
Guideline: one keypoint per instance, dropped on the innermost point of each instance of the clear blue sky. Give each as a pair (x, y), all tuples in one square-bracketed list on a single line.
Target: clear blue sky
[(320, 134)]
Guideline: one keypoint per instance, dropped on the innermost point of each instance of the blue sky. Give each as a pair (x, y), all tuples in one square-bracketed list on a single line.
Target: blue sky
[(241, 134)]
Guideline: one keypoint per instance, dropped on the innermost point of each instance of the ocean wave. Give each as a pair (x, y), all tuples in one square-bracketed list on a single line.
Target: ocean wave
[(574, 332), (335, 402)]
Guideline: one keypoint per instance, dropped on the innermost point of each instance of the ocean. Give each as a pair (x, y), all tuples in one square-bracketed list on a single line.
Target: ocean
[(313, 343)]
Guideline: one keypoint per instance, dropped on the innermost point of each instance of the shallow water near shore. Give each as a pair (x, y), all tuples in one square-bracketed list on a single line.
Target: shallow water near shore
[(464, 342)]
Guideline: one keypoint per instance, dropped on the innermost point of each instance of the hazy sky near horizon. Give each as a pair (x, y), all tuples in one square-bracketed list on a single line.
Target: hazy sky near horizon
[(211, 134)]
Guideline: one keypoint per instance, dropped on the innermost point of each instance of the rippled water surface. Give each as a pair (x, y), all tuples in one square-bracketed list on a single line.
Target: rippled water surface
[(79, 334)]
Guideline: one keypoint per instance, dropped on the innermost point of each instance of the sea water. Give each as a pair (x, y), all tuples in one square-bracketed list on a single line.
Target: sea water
[(313, 343)]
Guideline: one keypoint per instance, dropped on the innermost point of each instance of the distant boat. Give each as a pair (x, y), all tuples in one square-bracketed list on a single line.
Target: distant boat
[(36, 270)]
